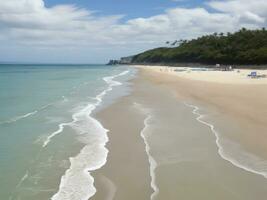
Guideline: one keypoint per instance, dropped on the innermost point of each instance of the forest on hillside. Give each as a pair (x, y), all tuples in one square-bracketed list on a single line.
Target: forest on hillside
[(242, 47)]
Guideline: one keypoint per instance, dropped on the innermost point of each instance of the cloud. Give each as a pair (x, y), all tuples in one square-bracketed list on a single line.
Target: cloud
[(30, 24), (248, 12)]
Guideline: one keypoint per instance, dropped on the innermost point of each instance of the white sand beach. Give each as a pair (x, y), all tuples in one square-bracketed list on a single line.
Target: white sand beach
[(236, 76)]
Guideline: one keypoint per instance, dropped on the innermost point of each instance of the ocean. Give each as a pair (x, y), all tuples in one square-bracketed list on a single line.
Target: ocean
[(49, 139)]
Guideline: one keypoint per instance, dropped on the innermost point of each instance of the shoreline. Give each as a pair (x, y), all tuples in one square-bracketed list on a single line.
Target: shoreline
[(240, 102), (126, 172), (235, 76), (196, 65), (164, 94), (92, 156)]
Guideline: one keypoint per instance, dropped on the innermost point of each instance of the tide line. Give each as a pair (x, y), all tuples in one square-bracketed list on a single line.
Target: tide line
[(221, 150), (77, 183), (152, 162)]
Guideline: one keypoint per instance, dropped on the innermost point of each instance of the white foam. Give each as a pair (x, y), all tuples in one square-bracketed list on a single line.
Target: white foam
[(14, 119), (77, 183), (59, 130), (64, 99), (152, 161), (26, 175), (87, 109), (244, 160), (17, 118)]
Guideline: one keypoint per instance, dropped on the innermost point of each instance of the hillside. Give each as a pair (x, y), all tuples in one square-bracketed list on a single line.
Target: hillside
[(242, 47)]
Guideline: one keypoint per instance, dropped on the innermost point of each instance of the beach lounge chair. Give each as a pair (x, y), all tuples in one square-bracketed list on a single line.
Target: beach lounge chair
[(253, 75)]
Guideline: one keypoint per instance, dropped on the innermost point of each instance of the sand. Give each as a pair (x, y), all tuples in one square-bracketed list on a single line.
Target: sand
[(243, 104), (188, 163), (237, 76), (126, 173)]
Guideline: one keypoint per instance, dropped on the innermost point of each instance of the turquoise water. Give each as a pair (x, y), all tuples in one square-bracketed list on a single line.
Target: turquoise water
[(45, 118)]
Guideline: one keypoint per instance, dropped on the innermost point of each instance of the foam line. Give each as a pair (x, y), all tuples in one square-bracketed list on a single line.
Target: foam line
[(111, 83), (18, 118), (59, 130), (77, 182), (221, 150), (26, 175), (152, 161)]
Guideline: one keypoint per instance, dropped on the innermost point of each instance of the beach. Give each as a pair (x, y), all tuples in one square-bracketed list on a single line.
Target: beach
[(182, 137), (133, 132), (232, 95), (133, 100)]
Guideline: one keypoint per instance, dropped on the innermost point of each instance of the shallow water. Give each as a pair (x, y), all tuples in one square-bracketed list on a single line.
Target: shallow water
[(46, 118)]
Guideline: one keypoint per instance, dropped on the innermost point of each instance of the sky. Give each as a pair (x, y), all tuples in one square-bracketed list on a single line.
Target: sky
[(94, 31)]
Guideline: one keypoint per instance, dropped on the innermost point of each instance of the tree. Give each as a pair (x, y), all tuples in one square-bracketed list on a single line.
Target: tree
[(242, 47)]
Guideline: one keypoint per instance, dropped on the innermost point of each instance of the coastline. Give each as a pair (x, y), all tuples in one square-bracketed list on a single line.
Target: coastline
[(241, 102), (77, 182), (172, 134), (196, 65), (235, 76)]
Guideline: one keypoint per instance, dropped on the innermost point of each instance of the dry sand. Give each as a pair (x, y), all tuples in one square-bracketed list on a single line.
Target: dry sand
[(237, 76)]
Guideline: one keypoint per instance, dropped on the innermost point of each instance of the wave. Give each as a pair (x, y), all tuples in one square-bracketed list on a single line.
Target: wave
[(17, 118), (77, 182), (60, 129), (152, 162), (243, 160), (14, 119), (26, 175), (90, 106)]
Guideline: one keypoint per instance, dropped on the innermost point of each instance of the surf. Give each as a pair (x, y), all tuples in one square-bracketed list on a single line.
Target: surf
[(152, 162), (77, 182), (253, 164)]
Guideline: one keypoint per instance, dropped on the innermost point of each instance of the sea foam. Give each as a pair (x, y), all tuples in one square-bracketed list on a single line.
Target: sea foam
[(20, 117), (14, 119), (233, 152), (77, 182), (152, 162)]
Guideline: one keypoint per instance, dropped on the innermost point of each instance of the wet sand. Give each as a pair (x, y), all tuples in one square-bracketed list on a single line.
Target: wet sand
[(126, 173), (244, 105), (189, 165)]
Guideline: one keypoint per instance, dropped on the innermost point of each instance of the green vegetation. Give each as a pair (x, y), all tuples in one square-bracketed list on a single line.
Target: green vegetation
[(242, 47)]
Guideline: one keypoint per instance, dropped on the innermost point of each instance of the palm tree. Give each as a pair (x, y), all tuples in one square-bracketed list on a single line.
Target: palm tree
[(174, 43)]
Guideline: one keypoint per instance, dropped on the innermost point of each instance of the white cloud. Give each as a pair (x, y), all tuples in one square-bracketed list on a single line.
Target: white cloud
[(30, 24), (253, 12)]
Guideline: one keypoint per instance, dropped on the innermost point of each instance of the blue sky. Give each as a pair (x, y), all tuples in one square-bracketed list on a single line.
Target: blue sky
[(94, 31), (129, 8)]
